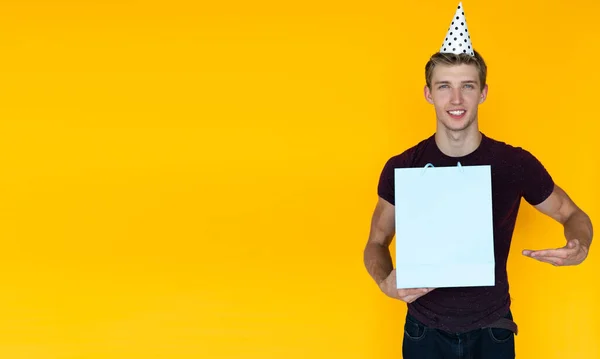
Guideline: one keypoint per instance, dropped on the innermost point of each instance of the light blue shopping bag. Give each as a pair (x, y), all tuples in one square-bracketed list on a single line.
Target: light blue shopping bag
[(444, 227)]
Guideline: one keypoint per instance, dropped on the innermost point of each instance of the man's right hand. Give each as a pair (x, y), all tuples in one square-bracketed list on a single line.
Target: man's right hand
[(388, 286)]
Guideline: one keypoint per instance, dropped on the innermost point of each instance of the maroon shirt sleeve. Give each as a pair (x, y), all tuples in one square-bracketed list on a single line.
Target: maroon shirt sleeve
[(385, 188), (537, 184)]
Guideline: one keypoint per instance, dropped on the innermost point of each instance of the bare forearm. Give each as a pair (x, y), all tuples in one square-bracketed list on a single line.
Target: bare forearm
[(579, 226), (378, 261)]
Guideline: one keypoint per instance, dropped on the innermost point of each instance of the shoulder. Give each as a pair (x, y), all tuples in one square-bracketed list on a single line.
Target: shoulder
[(514, 154), (503, 146), (408, 157), (524, 169)]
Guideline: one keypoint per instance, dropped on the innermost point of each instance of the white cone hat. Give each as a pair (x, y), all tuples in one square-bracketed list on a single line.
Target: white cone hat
[(458, 38)]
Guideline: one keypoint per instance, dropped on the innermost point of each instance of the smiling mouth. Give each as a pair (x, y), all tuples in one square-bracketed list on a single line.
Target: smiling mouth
[(456, 114)]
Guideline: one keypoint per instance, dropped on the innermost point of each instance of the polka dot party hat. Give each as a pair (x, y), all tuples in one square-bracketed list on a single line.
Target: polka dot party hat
[(458, 39)]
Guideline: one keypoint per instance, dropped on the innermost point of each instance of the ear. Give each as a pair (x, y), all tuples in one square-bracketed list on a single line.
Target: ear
[(427, 93), (484, 93)]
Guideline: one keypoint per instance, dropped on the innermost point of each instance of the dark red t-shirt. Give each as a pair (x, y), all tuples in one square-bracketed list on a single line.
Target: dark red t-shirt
[(516, 174)]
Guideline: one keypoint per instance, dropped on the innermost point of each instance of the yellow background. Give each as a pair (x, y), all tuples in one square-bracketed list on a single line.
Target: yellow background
[(182, 179)]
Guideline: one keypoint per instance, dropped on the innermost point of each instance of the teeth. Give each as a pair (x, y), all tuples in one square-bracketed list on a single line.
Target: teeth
[(456, 113)]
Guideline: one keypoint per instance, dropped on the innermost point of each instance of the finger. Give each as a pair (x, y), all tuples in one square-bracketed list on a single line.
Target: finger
[(547, 261), (558, 253), (412, 298), (409, 299), (530, 252), (417, 293), (551, 260), (412, 291)]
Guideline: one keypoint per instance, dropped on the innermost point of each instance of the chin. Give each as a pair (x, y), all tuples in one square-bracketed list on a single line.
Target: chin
[(454, 125), (457, 126)]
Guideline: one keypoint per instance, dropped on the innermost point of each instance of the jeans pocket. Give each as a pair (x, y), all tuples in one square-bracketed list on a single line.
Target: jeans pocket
[(500, 335), (413, 329)]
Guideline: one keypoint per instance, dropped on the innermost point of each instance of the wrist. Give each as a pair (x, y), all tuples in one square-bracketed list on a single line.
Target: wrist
[(586, 248)]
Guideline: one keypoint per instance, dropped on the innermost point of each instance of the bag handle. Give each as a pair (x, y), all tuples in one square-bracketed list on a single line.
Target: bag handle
[(460, 167)]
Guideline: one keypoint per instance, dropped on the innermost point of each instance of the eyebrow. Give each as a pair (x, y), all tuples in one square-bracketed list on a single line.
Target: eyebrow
[(462, 82)]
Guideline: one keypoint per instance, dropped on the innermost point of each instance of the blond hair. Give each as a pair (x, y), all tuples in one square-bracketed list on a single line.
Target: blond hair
[(450, 59)]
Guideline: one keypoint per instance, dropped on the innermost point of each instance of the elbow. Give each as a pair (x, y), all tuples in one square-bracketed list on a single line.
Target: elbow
[(580, 222), (577, 215), (375, 251)]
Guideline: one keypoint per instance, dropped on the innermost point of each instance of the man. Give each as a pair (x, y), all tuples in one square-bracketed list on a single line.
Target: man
[(469, 322)]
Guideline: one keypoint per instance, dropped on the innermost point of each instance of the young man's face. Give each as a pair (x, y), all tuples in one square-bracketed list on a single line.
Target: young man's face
[(456, 94)]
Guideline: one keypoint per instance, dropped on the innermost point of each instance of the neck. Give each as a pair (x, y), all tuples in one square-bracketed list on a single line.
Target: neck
[(458, 143)]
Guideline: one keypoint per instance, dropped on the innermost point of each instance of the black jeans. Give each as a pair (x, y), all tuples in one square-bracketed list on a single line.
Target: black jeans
[(421, 342)]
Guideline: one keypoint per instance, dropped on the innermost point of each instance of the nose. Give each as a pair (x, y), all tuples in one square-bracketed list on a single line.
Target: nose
[(456, 98)]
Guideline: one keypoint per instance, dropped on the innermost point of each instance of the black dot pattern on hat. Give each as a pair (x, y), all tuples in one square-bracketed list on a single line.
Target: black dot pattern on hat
[(458, 39)]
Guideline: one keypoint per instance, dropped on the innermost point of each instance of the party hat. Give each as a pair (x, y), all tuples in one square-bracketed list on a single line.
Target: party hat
[(458, 39)]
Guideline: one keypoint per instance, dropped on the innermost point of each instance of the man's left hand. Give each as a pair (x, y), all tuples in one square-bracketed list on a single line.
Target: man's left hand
[(572, 254)]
